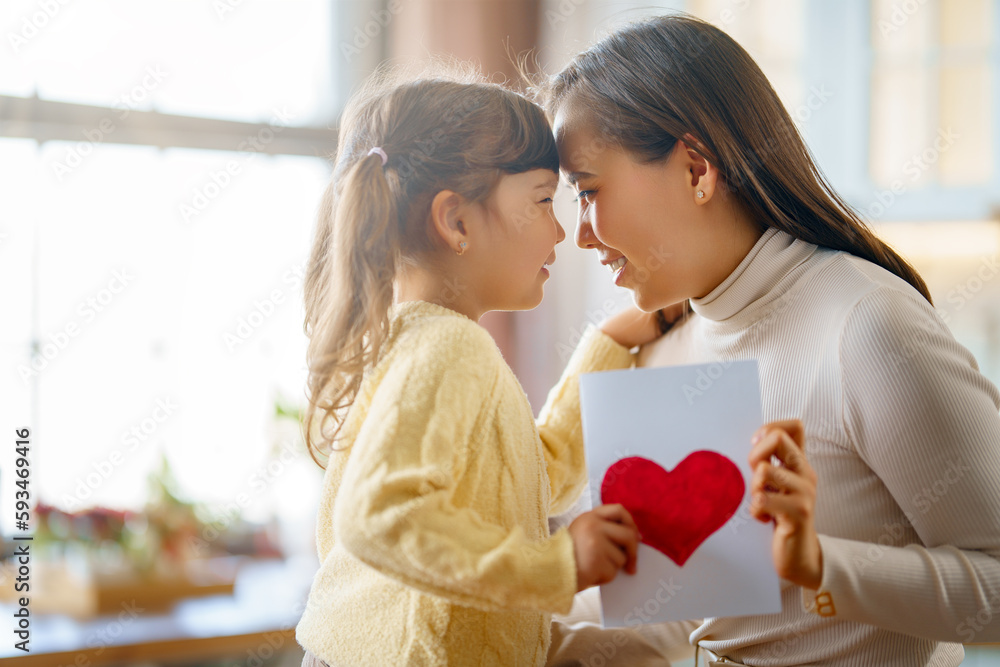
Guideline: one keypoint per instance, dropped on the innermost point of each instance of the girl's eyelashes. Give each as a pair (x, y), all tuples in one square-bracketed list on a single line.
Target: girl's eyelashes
[(547, 200)]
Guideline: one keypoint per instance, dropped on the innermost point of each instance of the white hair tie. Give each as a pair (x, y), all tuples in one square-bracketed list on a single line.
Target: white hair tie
[(381, 153)]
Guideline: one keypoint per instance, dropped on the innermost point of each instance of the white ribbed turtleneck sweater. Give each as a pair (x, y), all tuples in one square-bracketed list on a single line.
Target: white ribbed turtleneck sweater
[(904, 434)]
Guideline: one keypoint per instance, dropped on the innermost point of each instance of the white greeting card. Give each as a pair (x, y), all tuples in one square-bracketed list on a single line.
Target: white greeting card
[(671, 444)]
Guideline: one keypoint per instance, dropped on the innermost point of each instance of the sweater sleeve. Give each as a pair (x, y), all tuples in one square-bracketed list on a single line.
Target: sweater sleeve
[(926, 421), (559, 420), (394, 508)]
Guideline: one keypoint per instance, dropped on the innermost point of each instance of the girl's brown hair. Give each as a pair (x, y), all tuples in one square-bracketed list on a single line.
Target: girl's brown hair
[(662, 78), (446, 132)]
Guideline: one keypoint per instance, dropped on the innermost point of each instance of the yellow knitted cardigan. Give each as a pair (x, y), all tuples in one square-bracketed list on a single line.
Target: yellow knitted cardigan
[(432, 531)]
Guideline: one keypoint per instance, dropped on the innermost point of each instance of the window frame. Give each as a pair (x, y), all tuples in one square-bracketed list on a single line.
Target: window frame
[(845, 28)]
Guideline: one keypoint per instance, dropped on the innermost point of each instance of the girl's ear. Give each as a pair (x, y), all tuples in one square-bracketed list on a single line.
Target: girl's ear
[(704, 177), (447, 208)]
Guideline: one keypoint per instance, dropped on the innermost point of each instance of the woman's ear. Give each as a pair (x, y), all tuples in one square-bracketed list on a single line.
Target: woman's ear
[(447, 208), (703, 176)]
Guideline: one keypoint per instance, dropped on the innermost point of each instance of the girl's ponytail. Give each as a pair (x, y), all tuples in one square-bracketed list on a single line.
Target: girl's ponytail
[(348, 289)]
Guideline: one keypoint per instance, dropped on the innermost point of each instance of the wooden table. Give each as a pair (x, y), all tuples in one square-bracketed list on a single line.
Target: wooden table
[(257, 620)]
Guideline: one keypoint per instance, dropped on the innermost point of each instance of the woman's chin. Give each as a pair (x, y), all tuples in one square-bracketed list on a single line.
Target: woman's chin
[(650, 303), (643, 301)]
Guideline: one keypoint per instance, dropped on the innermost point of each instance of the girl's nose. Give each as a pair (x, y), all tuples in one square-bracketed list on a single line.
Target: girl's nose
[(560, 233)]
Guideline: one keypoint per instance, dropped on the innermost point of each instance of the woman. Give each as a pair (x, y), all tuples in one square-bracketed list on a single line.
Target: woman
[(695, 185)]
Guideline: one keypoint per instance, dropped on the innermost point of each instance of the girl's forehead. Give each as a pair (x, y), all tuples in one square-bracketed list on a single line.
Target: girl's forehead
[(529, 180), (546, 179)]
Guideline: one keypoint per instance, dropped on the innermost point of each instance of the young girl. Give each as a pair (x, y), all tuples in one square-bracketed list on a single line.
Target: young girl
[(432, 534), (699, 187)]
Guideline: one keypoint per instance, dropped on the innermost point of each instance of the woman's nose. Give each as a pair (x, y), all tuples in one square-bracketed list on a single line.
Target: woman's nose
[(585, 237)]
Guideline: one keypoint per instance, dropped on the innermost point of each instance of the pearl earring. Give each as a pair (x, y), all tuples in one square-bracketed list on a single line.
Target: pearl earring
[(701, 194)]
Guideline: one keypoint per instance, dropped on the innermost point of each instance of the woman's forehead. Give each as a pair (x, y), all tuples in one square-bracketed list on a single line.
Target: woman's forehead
[(580, 146), (569, 123), (569, 130)]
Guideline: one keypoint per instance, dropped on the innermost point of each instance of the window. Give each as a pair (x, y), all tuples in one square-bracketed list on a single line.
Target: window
[(931, 93), (153, 286)]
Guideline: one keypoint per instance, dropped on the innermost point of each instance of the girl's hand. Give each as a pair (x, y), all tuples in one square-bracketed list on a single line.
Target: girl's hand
[(785, 494), (633, 327), (604, 540)]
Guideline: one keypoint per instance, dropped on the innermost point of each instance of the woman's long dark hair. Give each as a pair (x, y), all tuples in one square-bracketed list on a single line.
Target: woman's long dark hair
[(662, 78)]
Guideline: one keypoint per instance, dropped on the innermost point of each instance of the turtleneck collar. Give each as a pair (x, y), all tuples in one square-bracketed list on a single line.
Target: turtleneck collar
[(764, 275)]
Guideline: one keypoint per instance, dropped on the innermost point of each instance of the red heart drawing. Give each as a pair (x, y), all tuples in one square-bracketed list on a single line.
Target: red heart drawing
[(678, 510)]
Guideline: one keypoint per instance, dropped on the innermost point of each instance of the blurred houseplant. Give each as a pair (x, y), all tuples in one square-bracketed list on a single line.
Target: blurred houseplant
[(98, 559)]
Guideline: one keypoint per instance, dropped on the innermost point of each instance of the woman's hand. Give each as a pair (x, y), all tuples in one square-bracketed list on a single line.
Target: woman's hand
[(605, 540), (633, 327), (785, 494)]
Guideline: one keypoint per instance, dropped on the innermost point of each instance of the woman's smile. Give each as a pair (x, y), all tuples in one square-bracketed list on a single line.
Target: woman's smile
[(618, 269)]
